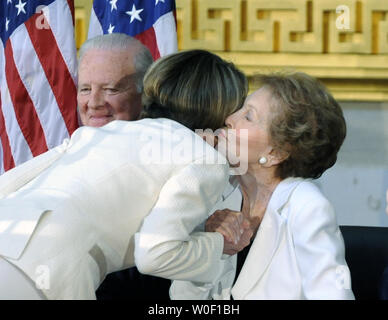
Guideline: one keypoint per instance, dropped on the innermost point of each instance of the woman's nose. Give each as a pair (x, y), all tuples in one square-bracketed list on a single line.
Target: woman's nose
[(229, 122)]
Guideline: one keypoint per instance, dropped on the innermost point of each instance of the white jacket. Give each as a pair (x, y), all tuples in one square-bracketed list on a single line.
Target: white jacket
[(76, 209), (298, 253)]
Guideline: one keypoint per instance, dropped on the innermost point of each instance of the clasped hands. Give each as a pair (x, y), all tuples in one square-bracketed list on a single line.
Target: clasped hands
[(235, 228)]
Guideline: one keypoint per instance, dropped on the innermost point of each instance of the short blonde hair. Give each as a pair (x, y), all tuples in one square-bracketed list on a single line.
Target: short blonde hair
[(195, 87)]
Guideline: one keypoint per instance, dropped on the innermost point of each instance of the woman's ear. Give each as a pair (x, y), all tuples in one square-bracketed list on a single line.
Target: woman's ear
[(276, 157)]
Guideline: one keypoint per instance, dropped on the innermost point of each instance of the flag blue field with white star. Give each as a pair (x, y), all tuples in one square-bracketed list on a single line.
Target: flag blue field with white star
[(153, 22)]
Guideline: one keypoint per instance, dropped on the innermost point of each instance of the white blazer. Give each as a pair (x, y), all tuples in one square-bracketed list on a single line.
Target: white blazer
[(77, 209), (298, 253)]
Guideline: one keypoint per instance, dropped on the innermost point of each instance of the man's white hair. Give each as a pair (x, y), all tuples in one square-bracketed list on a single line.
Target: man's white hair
[(119, 41)]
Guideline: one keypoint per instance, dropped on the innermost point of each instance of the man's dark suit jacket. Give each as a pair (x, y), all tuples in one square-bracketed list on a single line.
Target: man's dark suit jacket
[(384, 285), (130, 284)]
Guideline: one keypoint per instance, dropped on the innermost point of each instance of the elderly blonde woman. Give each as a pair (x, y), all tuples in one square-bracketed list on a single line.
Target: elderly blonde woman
[(74, 214), (295, 130)]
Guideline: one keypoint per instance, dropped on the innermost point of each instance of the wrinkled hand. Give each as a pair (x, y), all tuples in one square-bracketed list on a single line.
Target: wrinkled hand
[(235, 228)]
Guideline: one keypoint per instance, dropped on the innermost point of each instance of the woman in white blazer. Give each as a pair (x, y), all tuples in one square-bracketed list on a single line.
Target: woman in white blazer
[(126, 193), (295, 130)]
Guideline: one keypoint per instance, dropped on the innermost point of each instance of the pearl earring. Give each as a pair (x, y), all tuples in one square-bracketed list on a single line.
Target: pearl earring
[(263, 160)]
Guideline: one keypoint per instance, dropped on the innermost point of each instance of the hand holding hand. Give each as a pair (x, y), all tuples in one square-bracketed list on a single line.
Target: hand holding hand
[(235, 228)]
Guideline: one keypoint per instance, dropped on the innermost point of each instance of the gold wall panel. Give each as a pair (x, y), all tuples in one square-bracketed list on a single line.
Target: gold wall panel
[(82, 16), (303, 26), (342, 42)]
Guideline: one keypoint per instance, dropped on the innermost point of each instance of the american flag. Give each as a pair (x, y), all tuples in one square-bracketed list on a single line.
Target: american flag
[(153, 22), (38, 70)]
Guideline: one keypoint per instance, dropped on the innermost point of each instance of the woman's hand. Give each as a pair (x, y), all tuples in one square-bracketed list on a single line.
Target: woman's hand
[(235, 228)]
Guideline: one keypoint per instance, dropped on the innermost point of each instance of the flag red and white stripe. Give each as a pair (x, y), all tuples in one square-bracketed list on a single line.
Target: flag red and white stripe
[(38, 67)]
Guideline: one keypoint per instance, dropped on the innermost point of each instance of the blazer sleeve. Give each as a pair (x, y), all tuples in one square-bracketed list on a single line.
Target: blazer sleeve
[(17, 177), (320, 251), (166, 245)]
